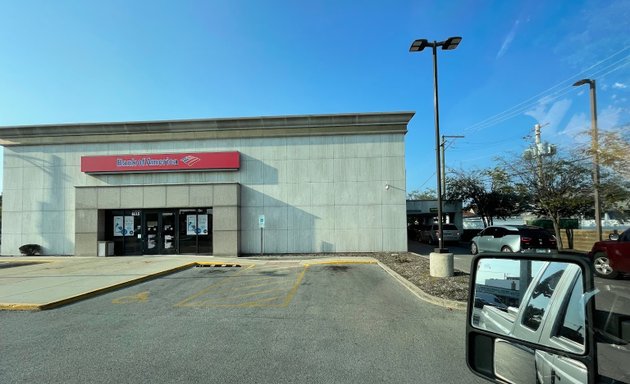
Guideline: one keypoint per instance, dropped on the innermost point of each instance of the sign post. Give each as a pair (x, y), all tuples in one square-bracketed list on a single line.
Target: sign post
[(261, 224)]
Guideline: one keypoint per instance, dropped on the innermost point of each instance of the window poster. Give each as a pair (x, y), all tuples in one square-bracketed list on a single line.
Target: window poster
[(191, 224), (123, 225), (202, 224), (197, 224)]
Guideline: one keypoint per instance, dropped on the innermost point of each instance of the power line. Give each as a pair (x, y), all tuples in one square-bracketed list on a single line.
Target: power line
[(566, 88)]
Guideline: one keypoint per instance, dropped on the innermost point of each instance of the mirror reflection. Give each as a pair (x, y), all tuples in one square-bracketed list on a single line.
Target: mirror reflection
[(535, 301)]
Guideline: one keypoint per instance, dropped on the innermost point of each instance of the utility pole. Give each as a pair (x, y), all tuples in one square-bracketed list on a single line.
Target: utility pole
[(595, 149), (443, 147), (538, 151)]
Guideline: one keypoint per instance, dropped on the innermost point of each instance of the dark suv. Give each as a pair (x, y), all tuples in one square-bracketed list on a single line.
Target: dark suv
[(513, 238)]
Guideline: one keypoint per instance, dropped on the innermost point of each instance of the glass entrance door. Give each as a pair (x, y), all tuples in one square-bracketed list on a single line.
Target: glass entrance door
[(150, 233), (159, 233), (168, 242)]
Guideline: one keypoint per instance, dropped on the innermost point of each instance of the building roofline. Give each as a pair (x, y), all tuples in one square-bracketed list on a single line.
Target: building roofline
[(194, 129)]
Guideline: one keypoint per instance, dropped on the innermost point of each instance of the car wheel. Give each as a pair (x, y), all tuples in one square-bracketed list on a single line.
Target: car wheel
[(602, 266), (506, 249), (473, 248)]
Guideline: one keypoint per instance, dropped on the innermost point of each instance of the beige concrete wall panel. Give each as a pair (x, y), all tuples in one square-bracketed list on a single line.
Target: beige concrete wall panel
[(201, 195), (108, 198), (274, 171), (371, 216), (322, 193), (369, 146), (321, 171), (249, 218), (346, 217), (394, 168), (225, 243), (86, 221), (11, 223), (299, 218), (252, 196), (53, 223), (370, 169), (32, 199), (322, 147), (298, 171), (13, 179), (85, 244), (251, 171), (226, 195), (298, 194), (86, 198), (225, 218), (276, 241), (394, 216), (396, 193), (69, 198), (177, 196), (32, 177), (301, 241), (395, 240), (323, 217), (370, 240), (345, 170), (131, 197), (370, 192), (297, 148), (275, 195), (12, 202), (276, 218), (346, 240), (346, 193), (154, 196), (13, 158)]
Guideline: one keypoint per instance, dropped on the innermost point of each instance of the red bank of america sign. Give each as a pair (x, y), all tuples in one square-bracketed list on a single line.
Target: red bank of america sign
[(155, 162)]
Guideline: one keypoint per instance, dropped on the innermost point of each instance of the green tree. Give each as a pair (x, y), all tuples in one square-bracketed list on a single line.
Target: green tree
[(554, 187), (427, 194), (488, 192)]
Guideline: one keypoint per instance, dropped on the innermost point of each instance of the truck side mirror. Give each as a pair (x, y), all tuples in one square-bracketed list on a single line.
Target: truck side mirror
[(539, 326)]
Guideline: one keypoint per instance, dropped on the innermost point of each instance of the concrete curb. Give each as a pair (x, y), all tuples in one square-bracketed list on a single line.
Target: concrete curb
[(423, 295)]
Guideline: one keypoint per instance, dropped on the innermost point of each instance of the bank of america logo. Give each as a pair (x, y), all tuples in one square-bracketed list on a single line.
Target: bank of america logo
[(190, 160)]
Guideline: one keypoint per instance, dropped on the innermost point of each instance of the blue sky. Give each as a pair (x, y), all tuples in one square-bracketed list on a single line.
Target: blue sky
[(124, 60)]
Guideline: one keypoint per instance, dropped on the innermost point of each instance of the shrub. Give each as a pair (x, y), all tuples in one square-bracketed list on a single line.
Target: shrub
[(31, 250)]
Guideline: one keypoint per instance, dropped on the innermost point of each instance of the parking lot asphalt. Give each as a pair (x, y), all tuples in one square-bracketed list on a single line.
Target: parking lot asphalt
[(39, 283)]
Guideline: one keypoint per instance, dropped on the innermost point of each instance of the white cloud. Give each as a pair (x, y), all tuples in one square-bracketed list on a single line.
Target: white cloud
[(619, 86), (552, 116), (508, 40)]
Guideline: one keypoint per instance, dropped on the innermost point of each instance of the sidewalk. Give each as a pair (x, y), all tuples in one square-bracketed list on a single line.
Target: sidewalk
[(38, 283)]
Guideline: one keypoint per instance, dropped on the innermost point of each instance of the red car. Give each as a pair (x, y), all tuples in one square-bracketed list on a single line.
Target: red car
[(612, 257)]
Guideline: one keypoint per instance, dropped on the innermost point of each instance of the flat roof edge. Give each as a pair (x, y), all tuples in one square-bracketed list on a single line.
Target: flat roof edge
[(290, 125)]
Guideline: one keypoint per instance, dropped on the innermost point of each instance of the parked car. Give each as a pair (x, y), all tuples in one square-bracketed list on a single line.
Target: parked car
[(431, 233), (513, 238), (611, 257)]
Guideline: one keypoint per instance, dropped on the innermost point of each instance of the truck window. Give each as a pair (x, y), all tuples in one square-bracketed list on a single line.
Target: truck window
[(541, 295), (572, 325)]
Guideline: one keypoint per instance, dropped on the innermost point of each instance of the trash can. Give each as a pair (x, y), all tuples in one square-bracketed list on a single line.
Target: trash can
[(105, 248)]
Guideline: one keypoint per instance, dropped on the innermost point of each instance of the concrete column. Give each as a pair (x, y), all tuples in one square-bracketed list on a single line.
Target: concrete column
[(441, 264)]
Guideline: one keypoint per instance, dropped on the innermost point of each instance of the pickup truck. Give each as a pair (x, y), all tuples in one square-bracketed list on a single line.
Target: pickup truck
[(545, 327), (612, 257)]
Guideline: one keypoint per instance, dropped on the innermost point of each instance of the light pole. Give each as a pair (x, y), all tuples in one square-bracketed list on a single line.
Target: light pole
[(443, 146), (595, 150), (417, 46)]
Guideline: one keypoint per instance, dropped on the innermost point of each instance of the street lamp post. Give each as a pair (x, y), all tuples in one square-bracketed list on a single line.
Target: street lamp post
[(595, 150), (417, 46)]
